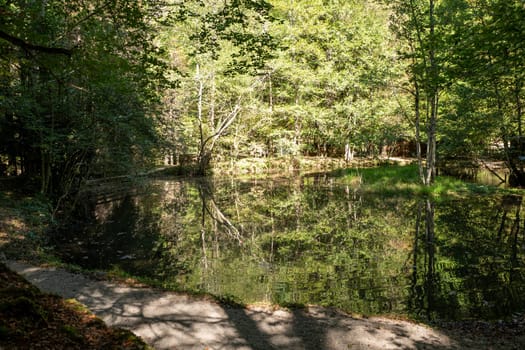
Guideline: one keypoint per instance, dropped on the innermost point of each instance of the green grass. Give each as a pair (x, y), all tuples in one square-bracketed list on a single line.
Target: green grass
[(393, 180)]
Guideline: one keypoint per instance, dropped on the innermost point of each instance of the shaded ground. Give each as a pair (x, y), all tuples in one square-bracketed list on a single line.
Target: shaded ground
[(168, 320), (30, 319)]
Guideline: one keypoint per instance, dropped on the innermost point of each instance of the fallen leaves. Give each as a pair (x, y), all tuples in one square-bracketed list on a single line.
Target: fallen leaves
[(30, 319)]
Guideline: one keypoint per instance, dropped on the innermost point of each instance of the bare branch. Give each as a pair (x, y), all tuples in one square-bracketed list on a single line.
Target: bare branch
[(30, 47)]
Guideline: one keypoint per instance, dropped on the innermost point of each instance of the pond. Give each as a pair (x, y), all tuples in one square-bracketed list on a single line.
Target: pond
[(310, 240)]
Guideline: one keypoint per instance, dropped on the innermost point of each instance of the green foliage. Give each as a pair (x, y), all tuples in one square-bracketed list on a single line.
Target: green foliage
[(330, 86), (488, 63), (114, 87), (466, 56), (327, 85), (240, 23), (69, 116)]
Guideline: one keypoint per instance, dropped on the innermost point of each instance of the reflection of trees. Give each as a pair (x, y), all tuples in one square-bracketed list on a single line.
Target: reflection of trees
[(352, 201), (511, 203), (309, 242), (218, 223), (469, 263), (506, 247), (421, 298), (209, 206), (114, 232), (316, 242)]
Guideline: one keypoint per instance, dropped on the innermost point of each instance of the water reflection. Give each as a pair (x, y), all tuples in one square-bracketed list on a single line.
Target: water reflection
[(312, 240)]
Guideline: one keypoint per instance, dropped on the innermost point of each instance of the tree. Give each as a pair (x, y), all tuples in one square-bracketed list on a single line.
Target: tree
[(330, 87), (417, 25), (221, 48), (78, 82), (488, 61)]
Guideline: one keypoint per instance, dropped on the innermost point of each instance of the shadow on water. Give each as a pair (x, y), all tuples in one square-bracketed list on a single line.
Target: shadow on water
[(423, 280), (474, 272), (306, 241)]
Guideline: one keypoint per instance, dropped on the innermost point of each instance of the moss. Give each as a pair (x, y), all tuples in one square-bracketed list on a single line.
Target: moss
[(76, 305), (292, 305), (72, 332), (126, 337), (229, 300)]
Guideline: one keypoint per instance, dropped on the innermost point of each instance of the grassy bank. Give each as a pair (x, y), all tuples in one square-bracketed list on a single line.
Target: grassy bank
[(397, 180)]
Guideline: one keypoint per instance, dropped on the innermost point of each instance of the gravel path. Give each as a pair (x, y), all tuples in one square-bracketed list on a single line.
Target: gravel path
[(168, 320)]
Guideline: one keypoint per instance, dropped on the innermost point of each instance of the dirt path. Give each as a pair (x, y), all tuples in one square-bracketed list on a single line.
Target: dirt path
[(174, 321)]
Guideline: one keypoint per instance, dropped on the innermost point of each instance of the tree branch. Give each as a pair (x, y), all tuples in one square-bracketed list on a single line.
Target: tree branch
[(27, 46)]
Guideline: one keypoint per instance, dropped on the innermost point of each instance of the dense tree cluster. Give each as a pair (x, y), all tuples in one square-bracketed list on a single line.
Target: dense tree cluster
[(78, 81), (464, 73), (107, 87)]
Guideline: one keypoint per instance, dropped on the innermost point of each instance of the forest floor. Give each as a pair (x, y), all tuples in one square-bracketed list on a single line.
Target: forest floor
[(30, 319)]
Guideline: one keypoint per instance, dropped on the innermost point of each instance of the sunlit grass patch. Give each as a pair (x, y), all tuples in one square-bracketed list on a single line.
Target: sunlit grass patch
[(394, 180), (385, 179)]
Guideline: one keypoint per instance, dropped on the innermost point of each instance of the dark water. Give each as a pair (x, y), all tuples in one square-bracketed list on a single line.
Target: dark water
[(312, 240)]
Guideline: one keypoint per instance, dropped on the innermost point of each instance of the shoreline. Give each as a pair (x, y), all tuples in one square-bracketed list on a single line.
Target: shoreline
[(167, 320)]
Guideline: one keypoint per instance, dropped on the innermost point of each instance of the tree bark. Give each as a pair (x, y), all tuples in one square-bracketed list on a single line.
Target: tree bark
[(433, 100), (417, 109)]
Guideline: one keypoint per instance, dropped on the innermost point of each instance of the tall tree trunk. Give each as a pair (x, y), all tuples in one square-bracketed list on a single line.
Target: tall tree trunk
[(212, 102), (349, 152), (203, 156), (431, 139), (519, 110), (425, 83), (297, 126), (417, 109), (433, 100), (517, 176)]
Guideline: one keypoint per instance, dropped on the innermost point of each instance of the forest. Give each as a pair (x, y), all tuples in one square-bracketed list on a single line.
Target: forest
[(93, 89), (282, 153)]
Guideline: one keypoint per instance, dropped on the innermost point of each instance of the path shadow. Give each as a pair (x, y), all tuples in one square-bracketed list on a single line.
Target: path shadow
[(173, 321)]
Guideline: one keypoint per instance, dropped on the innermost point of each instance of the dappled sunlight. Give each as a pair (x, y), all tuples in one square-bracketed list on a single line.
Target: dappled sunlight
[(11, 227), (169, 320), (23, 222), (377, 333)]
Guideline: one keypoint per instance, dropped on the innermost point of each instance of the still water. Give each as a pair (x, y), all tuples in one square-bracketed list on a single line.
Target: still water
[(311, 240)]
